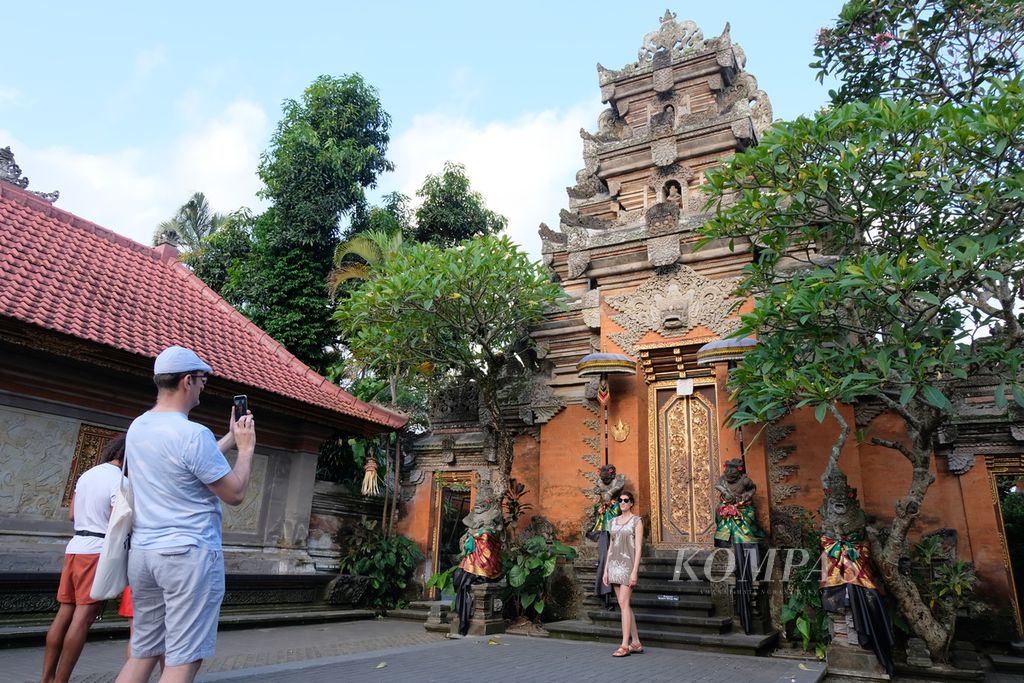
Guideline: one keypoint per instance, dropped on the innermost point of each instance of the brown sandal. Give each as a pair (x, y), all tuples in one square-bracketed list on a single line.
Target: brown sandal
[(621, 652), (636, 649)]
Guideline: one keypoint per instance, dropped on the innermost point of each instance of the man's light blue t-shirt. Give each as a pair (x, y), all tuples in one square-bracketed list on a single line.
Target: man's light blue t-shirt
[(170, 462)]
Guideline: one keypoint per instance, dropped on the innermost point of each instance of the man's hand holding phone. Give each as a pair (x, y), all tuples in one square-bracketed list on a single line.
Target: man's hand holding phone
[(241, 428)]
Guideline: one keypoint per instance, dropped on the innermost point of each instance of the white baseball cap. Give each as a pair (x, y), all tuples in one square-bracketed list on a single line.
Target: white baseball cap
[(175, 359)]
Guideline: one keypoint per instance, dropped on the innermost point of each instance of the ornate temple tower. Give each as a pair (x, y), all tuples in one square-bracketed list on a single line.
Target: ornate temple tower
[(624, 253)]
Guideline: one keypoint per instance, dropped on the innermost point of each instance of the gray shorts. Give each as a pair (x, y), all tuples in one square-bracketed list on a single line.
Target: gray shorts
[(176, 594)]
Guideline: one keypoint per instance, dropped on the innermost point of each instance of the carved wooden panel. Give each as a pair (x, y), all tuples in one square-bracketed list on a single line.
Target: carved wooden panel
[(684, 464), (91, 441)]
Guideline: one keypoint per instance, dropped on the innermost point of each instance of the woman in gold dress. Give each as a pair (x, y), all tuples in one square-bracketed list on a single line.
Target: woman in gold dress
[(622, 568)]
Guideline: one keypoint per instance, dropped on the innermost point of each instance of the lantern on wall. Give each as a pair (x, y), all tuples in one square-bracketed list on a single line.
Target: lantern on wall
[(601, 365)]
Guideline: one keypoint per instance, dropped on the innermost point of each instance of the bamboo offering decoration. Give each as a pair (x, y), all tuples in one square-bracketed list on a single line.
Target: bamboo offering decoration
[(371, 487)]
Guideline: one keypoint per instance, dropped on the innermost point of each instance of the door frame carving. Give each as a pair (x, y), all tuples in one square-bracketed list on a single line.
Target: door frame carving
[(442, 479)]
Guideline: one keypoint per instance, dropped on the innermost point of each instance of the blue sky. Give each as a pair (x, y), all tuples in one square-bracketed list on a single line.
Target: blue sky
[(128, 108)]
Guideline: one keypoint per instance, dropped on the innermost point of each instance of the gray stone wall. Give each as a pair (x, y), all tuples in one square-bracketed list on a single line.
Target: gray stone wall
[(266, 534)]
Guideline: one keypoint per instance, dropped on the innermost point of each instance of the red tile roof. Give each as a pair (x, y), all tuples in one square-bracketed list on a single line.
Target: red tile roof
[(63, 273)]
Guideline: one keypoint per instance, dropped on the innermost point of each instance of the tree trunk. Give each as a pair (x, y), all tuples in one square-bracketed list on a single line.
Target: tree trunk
[(919, 617), (393, 523), (504, 442), (503, 473), (390, 525)]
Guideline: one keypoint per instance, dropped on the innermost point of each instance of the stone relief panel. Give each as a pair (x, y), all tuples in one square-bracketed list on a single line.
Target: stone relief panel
[(786, 519), (246, 517), (672, 305), (35, 455)]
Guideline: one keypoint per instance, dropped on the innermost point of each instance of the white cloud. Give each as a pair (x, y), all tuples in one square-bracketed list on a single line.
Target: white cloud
[(220, 159), (132, 189), (521, 167)]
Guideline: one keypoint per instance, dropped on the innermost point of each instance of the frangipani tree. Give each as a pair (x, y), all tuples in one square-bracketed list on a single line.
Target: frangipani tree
[(463, 310), (888, 250)]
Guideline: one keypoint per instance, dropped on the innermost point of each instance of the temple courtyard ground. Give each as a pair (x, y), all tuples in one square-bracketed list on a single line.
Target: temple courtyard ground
[(394, 650)]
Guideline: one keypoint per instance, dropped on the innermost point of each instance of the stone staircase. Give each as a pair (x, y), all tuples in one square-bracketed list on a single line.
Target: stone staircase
[(670, 611)]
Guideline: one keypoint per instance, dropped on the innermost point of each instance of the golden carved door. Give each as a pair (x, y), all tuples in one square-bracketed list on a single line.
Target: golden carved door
[(684, 464)]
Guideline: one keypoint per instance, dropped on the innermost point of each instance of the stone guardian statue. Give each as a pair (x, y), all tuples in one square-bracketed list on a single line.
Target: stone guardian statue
[(609, 485), (736, 527)]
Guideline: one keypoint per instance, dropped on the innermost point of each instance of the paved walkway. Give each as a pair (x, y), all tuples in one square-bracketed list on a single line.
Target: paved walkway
[(392, 650), (395, 650)]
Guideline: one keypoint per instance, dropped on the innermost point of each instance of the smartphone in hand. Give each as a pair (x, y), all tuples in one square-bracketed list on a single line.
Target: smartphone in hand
[(241, 406)]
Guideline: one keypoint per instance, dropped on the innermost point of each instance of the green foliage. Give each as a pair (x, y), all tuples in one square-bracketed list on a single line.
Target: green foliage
[(913, 201), (461, 308), (802, 611), (528, 569), (1013, 518), (388, 562), (442, 581), (341, 459), (888, 254), (223, 250), (953, 583), (460, 311), (356, 258), (392, 216), (326, 149), (927, 550), (451, 211), (949, 584), (928, 50), (191, 224)]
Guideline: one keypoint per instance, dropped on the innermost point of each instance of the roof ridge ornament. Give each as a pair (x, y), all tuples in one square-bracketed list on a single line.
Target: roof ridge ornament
[(672, 37), (10, 172)]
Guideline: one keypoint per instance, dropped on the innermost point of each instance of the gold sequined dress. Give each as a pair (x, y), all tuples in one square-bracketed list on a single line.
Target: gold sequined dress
[(621, 550)]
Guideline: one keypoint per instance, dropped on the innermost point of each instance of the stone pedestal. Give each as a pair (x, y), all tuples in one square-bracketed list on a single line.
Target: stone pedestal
[(487, 610), (437, 617), (847, 661), (917, 654)]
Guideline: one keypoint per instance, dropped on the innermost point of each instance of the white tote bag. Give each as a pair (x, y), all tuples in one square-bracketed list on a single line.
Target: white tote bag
[(112, 569)]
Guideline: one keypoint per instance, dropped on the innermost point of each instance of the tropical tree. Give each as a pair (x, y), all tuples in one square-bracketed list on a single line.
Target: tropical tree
[(451, 211), (887, 241), (190, 224), (326, 150), (392, 215), (462, 310), (929, 51), (222, 250)]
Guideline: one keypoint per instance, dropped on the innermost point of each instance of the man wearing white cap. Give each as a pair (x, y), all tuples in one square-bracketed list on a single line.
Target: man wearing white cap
[(176, 566)]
